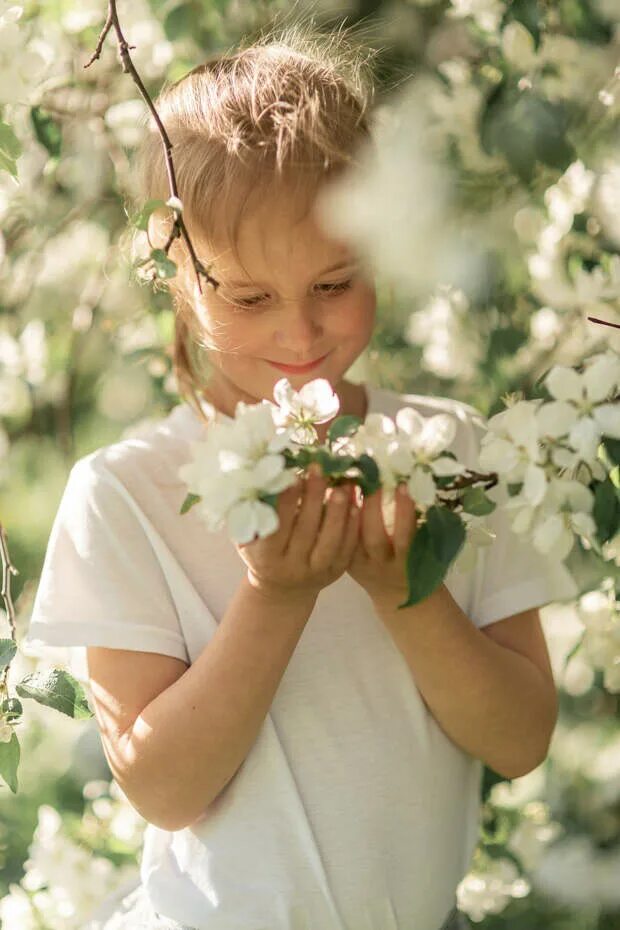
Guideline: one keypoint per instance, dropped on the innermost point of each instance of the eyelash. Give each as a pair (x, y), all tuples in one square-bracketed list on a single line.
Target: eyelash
[(336, 288)]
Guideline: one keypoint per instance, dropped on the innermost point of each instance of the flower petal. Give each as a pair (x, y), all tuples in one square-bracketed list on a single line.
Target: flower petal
[(447, 466), (319, 398), (584, 437), (564, 383), (438, 433), (601, 377), (410, 422), (556, 418), (534, 485), (607, 417), (283, 393), (241, 523), (421, 487)]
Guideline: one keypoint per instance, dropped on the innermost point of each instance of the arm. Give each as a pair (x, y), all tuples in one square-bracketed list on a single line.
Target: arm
[(188, 742), (497, 704)]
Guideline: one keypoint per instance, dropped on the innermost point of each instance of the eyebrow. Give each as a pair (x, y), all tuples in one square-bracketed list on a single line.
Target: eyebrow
[(336, 267)]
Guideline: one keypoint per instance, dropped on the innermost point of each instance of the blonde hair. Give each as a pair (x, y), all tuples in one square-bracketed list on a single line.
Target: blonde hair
[(292, 108)]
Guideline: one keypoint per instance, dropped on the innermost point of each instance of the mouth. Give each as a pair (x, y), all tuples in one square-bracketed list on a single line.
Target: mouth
[(298, 369)]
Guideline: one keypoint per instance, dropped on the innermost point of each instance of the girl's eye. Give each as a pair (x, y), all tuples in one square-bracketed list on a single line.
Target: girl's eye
[(338, 288), (247, 301), (333, 288)]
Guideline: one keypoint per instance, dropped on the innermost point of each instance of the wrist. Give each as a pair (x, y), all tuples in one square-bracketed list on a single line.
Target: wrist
[(279, 594)]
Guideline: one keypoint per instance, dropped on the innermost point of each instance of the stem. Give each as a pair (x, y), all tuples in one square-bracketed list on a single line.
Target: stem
[(178, 227), (8, 569)]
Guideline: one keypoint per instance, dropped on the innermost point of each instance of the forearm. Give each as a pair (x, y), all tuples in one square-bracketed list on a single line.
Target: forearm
[(491, 701), (190, 740)]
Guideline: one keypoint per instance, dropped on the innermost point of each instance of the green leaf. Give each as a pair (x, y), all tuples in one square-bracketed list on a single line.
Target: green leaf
[(514, 489), (612, 447), (369, 477), (529, 13), (164, 266), (8, 164), (424, 571), (9, 143), (9, 762), (342, 426), (333, 464), (58, 689), (606, 511), (141, 219), (447, 533), (300, 458), (8, 648), (475, 501), (189, 501), (47, 130)]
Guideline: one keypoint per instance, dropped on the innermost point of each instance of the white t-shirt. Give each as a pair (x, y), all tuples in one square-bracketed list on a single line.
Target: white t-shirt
[(353, 810)]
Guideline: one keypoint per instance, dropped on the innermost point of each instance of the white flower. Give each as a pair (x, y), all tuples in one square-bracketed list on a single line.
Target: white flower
[(316, 402), (237, 463), (601, 642), (511, 443), (425, 439), (486, 13), (580, 412), (489, 891)]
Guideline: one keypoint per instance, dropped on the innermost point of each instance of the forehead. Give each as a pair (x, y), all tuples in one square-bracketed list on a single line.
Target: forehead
[(272, 230)]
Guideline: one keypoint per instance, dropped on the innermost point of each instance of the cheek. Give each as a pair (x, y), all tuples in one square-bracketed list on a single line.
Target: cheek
[(356, 315)]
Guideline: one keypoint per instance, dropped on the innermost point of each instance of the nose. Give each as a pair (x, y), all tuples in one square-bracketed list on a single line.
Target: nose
[(300, 327)]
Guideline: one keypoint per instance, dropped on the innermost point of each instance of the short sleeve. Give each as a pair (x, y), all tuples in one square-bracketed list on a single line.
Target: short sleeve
[(511, 575), (101, 583)]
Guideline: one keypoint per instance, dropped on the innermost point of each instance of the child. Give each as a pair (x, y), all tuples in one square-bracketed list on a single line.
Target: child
[(261, 705)]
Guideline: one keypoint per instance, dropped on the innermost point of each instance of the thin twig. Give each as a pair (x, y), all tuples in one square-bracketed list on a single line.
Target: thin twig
[(8, 569), (604, 322), (129, 68)]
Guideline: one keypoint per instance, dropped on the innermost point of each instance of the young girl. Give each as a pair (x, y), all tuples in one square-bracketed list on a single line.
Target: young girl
[(307, 756)]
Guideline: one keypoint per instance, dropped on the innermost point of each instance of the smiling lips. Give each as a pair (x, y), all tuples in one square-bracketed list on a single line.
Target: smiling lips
[(297, 368)]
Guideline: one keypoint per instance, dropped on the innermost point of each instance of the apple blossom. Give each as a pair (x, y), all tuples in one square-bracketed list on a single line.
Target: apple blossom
[(315, 402)]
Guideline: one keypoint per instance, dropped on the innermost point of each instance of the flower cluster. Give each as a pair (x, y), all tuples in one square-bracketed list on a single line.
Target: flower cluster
[(244, 462), (241, 465), (548, 453), (601, 639), (235, 468)]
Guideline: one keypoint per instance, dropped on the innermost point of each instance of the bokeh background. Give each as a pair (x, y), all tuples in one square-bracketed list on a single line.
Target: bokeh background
[(489, 262)]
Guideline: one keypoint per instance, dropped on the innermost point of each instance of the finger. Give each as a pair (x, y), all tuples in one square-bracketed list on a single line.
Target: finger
[(308, 518), (404, 519), (329, 541), (375, 539), (287, 506), (352, 531)]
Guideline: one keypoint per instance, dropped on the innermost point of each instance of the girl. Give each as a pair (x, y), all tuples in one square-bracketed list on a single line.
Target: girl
[(306, 756)]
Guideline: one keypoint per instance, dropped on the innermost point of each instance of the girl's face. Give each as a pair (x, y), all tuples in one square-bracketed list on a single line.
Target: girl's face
[(294, 296)]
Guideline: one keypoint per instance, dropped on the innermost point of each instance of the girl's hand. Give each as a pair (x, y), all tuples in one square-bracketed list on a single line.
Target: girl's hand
[(379, 561), (313, 544)]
